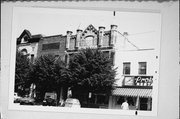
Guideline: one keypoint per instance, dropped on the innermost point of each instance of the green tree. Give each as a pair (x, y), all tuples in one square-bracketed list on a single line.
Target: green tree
[(48, 74), (62, 76), (23, 65), (92, 71)]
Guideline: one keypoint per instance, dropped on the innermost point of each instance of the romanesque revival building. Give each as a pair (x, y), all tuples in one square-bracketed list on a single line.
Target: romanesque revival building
[(64, 45)]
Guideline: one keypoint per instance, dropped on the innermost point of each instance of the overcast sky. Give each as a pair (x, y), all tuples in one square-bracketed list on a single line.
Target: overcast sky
[(143, 28)]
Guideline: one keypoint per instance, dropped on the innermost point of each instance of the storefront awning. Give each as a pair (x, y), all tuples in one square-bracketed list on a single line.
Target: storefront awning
[(132, 92)]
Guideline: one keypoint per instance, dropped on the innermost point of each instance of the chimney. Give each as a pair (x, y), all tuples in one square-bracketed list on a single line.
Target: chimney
[(78, 39), (101, 35), (69, 33), (113, 35)]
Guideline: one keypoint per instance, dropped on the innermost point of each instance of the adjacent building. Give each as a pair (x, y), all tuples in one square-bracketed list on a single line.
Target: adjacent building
[(136, 70)]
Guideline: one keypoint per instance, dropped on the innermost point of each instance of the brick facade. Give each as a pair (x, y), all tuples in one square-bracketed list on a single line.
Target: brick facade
[(62, 45), (52, 40)]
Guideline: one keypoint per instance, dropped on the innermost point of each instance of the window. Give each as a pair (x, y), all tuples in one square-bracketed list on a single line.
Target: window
[(50, 46), (120, 100), (142, 68), (126, 67), (32, 57), (24, 51), (72, 44), (106, 53), (66, 59), (97, 100), (89, 41), (24, 39), (112, 57), (109, 54)]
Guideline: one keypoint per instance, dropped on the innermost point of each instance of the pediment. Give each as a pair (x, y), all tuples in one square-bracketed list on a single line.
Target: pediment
[(90, 30)]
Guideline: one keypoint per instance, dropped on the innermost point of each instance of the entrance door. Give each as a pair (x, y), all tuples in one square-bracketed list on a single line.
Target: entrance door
[(143, 103)]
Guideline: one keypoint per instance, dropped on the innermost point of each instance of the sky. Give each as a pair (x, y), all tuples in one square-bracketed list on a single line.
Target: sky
[(143, 28)]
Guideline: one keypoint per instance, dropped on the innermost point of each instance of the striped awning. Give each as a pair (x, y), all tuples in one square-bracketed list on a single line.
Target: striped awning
[(132, 92)]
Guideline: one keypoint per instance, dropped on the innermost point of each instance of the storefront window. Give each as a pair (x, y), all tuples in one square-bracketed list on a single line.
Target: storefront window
[(131, 101), (120, 100), (143, 103)]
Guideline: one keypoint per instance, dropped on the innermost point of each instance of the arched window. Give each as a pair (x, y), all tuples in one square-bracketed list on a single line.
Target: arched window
[(24, 51)]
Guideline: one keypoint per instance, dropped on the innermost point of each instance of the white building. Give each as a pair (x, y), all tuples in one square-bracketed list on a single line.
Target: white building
[(135, 63), (136, 69)]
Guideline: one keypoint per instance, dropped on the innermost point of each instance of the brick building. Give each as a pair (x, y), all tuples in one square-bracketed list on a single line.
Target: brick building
[(64, 45)]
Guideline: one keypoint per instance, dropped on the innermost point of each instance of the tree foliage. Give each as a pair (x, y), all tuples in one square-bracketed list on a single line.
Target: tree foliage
[(48, 73), (22, 72), (89, 70), (92, 70)]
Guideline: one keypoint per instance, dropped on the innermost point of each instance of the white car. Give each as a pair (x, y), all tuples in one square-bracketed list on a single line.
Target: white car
[(72, 102)]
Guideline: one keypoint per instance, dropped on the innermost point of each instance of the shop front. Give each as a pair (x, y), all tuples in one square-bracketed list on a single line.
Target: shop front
[(138, 99)]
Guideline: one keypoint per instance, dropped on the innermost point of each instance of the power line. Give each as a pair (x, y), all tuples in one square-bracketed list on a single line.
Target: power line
[(140, 49), (128, 40), (141, 33)]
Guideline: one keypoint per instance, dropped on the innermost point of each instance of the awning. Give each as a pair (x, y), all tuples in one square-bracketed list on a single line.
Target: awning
[(132, 92)]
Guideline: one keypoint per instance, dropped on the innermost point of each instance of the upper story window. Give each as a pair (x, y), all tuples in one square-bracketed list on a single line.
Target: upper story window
[(106, 53), (24, 39), (32, 57), (51, 46), (109, 54), (24, 51), (72, 44), (89, 41), (112, 57), (66, 59), (126, 67), (142, 67)]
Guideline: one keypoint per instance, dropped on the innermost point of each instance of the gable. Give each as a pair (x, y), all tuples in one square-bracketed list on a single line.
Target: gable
[(25, 35), (90, 30)]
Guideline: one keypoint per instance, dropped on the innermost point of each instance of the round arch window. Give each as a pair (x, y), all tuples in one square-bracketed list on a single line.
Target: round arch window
[(24, 51)]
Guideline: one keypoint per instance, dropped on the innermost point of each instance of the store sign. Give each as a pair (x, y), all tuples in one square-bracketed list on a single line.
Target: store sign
[(129, 81), (138, 80)]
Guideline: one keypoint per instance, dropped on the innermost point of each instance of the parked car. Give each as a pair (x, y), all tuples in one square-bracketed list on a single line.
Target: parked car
[(27, 101), (72, 102), (16, 98), (50, 99)]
